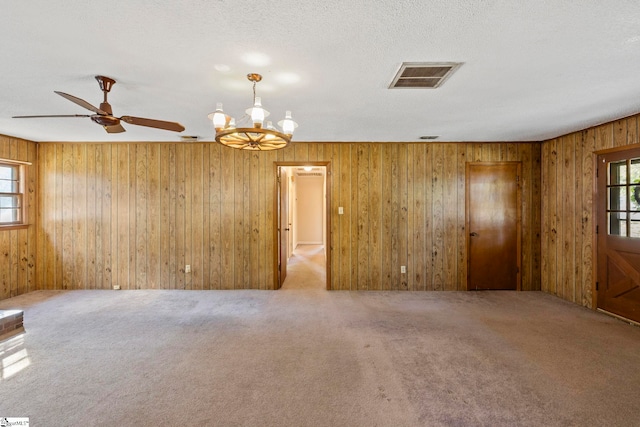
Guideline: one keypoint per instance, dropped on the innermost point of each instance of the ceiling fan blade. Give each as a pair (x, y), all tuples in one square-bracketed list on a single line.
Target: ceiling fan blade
[(81, 102), (50, 115), (158, 124), (115, 128)]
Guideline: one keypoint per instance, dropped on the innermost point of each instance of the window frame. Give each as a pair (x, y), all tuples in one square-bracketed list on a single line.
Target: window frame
[(21, 194)]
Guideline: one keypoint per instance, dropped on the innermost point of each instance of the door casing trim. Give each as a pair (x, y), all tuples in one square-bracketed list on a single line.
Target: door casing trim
[(328, 248)]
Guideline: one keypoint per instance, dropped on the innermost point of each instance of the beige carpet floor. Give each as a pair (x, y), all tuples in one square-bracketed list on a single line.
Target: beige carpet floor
[(309, 357)]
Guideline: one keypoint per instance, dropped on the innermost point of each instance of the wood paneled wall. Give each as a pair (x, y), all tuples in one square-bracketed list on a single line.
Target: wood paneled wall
[(18, 246), (568, 236), (134, 214)]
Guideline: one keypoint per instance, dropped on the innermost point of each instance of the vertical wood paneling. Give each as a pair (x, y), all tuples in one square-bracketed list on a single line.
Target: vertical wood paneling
[(189, 191), (67, 218), (181, 217), (209, 206), (246, 229), (27, 237), (438, 214), (227, 223), (238, 223), (121, 223), (535, 212), (450, 207), (567, 224), (375, 219), (420, 238), (79, 215), (394, 221), (345, 243), (141, 234), (154, 208), (568, 215), (587, 238), (362, 219), (354, 214), (464, 152), (527, 232), (550, 281), (196, 222), (265, 261), (47, 252), (93, 205), (215, 209), (5, 264), (386, 222), (165, 211), (411, 178), (403, 223), (254, 213)]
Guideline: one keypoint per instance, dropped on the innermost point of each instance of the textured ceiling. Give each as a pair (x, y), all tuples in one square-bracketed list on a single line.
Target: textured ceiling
[(532, 70)]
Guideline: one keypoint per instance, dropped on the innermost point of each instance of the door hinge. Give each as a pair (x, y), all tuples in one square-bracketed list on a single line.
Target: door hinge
[(597, 229), (597, 286), (517, 179)]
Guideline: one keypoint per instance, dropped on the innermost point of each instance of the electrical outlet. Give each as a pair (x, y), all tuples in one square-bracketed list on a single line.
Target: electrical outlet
[(403, 269), (187, 268), (340, 210), (116, 287)]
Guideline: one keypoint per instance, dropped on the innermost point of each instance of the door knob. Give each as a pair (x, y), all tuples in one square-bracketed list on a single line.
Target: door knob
[(286, 229), (473, 234)]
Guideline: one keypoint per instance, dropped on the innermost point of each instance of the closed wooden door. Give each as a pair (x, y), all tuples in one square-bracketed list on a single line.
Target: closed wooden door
[(493, 225), (618, 283)]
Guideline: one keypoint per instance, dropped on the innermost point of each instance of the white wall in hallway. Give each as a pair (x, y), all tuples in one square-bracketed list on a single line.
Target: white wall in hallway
[(309, 204)]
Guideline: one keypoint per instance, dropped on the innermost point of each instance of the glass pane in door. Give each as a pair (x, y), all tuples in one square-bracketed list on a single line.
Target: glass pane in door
[(617, 199), (617, 173)]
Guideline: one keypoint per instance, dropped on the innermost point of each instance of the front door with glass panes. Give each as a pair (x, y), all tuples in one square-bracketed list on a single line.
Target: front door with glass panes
[(618, 206)]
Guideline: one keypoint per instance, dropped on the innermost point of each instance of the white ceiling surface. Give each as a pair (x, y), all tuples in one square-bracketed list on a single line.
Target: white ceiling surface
[(532, 70)]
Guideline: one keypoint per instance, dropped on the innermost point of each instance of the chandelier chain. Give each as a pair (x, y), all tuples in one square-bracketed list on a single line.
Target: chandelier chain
[(254, 93)]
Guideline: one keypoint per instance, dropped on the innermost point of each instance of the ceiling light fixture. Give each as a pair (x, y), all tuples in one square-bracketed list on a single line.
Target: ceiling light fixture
[(257, 138)]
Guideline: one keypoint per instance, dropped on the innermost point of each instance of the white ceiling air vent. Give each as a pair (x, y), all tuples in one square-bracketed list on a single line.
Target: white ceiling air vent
[(423, 75)]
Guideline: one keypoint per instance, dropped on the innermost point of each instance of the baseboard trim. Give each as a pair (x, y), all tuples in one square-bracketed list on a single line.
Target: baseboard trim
[(617, 316)]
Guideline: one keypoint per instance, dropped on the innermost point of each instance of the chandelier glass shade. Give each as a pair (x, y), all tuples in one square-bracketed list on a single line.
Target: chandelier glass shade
[(251, 132)]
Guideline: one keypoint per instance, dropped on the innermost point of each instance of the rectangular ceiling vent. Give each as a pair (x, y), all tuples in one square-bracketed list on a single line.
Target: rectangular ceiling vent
[(423, 75), (309, 174)]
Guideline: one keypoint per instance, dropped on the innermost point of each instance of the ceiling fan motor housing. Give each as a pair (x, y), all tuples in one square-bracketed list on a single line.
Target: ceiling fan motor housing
[(105, 120)]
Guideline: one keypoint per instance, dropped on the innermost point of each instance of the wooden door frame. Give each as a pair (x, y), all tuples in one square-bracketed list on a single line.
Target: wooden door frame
[(327, 243), (518, 216), (594, 224)]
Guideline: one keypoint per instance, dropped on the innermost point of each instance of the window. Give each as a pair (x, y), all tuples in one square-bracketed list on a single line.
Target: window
[(11, 193), (623, 204)]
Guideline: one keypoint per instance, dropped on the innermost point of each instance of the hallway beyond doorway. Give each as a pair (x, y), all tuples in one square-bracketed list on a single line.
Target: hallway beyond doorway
[(306, 269)]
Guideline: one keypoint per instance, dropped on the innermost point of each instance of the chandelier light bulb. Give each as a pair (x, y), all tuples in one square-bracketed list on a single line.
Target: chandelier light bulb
[(270, 127), (219, 118), (288, 125), (257, 113)]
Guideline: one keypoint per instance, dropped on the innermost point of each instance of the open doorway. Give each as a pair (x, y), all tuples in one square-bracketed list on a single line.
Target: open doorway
[(302, 225)]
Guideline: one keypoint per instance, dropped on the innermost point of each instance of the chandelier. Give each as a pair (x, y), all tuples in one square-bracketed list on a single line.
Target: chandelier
[(259, 136)]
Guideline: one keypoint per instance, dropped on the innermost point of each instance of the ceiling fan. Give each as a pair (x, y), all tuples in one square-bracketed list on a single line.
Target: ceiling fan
[(104, 115)]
